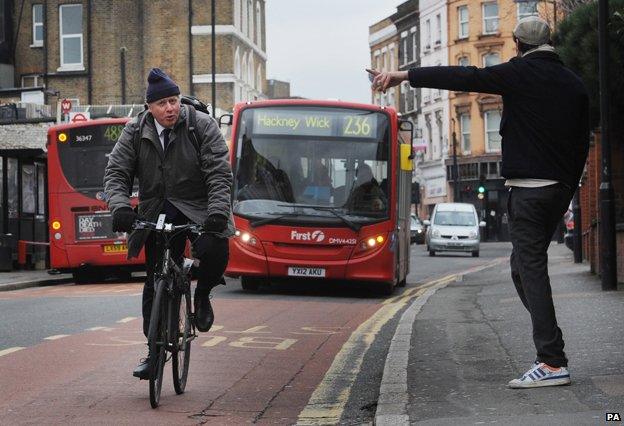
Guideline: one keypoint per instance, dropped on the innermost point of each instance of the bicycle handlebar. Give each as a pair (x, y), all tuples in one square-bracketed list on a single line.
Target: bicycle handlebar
[(167, 227)]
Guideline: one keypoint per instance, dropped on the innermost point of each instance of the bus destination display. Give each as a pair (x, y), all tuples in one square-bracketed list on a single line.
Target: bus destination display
[(356, 124)]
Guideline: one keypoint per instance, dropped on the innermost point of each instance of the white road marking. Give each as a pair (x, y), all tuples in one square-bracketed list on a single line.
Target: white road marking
[(99, 329), (56, 337), (10, 350), (126, 319)]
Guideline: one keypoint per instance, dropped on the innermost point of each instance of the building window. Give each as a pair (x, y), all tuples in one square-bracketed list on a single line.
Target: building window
[(404, 50), (2, 21), (492, 127), (28, 188), (464, 61), (37, 22), (414, 44), (250, 19), (491, 59), (71, 36), (41, 187), (527, 8), (244, 19), (34, 80), (258, 25), (428, 34), (438, 39), (490, 18), (462, 13), (464, 131)]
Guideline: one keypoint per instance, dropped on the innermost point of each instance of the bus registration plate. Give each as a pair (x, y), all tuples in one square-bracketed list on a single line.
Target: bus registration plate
[(115, 248), (300, 271)]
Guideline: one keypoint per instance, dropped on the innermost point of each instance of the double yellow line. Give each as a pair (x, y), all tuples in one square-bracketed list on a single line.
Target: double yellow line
[(329, 399)]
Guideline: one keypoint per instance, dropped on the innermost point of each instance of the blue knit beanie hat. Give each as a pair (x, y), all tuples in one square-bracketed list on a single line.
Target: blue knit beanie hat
[(159, 85)]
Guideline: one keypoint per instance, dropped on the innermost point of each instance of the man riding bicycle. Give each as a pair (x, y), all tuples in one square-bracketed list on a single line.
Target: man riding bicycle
[(189, 183)]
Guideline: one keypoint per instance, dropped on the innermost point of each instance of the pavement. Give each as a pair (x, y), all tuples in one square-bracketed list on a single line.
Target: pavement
[(17, 280), (458, 345)]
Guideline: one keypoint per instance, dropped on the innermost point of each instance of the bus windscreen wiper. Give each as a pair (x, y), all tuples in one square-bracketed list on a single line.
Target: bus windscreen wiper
[(352, 225)]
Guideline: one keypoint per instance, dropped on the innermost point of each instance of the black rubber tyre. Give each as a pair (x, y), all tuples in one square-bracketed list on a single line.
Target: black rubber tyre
[(180, 333), (250, 283), (156, 340), (475, 253), (431, 253), (386, 289), (84, 276)]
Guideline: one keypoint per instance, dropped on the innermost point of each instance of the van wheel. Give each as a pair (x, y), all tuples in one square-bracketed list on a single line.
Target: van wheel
[(431, 253), (250, 283), (475, 253)]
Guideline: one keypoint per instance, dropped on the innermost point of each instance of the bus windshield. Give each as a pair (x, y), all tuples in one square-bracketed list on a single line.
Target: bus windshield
[(313, 162), (84, 155)]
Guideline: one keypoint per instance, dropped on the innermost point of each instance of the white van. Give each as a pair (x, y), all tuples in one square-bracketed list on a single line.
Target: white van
[(453, 227)]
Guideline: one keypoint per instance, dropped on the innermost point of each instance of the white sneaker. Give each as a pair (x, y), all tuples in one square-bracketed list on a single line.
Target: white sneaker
[(539, 375)]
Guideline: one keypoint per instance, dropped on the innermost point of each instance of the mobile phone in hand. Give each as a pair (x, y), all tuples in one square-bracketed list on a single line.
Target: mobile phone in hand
[(371, 75)]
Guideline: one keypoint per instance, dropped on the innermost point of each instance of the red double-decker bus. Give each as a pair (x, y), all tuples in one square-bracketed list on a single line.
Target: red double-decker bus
[(81, 237), (321, 190)]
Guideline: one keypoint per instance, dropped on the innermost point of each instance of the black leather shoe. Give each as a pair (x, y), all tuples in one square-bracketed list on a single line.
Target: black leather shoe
[(204, 316), (142, 371)]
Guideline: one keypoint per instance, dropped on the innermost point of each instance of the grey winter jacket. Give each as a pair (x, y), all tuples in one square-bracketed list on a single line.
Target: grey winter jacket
[(198, 187)]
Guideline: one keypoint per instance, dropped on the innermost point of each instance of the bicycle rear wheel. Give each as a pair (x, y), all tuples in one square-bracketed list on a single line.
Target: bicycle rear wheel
[(157, 339), (181, 332)]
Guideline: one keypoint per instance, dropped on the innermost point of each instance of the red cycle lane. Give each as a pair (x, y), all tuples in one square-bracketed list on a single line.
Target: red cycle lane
[(260, 363)]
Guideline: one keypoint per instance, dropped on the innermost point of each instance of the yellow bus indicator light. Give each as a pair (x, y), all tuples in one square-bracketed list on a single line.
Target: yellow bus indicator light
[(62, 137), (56, 225), (380, 239)]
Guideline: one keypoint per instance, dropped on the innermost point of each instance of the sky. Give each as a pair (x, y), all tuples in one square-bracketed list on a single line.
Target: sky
[(321, 46)]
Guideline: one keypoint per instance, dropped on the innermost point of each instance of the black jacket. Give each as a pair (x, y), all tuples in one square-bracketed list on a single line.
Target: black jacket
[(545, 121)]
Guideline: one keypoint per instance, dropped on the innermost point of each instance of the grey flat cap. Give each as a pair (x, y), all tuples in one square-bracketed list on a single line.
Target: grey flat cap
[(532, 30)]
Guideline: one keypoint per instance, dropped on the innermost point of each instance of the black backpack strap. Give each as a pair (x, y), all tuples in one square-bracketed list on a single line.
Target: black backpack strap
[(193, 131)]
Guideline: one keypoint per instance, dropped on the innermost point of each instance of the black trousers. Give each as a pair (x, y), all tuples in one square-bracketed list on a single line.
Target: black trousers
[(534, 214), (213, 257)]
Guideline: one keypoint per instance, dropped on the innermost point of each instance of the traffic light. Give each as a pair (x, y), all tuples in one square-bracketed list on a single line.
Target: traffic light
[(481, 188), (415, 193)]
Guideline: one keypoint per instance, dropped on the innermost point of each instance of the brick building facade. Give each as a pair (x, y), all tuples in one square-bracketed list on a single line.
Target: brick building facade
[(98, 52)]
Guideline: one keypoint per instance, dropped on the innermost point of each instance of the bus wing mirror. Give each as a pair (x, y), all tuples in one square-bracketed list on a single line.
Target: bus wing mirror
[(225, 119)]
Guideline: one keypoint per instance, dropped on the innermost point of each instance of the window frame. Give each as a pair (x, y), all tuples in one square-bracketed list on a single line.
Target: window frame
[(492, 53), (460, 34), (78, 66), (524, 15), (2, 26), (428, 34), (459, 61), (415, 41), (490, 18), (438, 40), (463, 132), (35, 25), (486, 122)]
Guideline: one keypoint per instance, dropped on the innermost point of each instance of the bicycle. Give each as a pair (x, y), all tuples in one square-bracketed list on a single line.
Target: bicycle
[(172, 321)]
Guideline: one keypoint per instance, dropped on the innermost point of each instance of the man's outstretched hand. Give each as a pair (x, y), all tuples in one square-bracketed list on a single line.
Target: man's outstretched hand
[(383, 81)]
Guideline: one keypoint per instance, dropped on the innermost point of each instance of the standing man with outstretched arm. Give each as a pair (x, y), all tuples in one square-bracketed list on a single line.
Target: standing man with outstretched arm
[(189, 181), (545, 131)]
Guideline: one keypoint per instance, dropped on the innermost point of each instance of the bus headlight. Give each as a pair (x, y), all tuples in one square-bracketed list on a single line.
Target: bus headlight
[(249, 241), (369, 245), (56, 225)]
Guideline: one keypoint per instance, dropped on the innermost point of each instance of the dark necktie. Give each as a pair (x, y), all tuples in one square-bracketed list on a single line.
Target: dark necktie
[(166, 138), (169, 209)]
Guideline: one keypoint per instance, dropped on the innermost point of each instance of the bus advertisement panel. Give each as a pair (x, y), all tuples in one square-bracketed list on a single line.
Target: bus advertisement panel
[(81, 237), (319, 192)]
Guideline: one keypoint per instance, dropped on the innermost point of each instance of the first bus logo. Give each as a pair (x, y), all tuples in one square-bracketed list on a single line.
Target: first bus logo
[(317, 236)]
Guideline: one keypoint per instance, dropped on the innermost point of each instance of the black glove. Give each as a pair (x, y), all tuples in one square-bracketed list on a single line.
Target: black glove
[(215, 223), (123, 219)]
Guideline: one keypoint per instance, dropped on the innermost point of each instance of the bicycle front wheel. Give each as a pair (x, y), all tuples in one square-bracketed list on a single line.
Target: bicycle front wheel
[(157, 340), (181, 332)]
